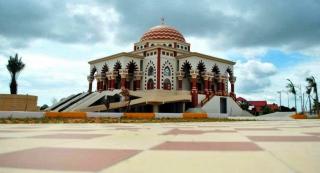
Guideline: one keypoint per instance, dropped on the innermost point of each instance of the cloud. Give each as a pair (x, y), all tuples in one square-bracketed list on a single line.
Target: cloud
[(234, 23), (48, 77), (57, 38), (64, 21), (254, 76)]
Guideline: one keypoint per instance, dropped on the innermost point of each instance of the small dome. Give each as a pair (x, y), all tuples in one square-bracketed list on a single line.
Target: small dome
[(163, 32)]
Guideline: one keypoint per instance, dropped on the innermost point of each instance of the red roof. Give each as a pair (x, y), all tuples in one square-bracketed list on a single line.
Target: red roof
[(257, 103), (163, 32), (273, 106), (240, 99)]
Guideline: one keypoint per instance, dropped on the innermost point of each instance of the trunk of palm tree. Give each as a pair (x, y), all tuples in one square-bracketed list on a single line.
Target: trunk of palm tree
[(13, 84), (317, 102), (310, 110), (295, 102)]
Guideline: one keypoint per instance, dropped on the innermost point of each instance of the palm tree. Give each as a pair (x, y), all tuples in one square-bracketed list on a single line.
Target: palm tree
[(292, 89), (15, 65), (312, 85), (308, 91)]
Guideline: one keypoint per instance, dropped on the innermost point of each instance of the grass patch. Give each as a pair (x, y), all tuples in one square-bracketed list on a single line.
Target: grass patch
[(60, 120)]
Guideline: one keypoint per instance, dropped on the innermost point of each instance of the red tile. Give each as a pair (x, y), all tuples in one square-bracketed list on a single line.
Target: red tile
[(66, 159), (313, 133), (257, 129), (195, 132), (11, 131), (129, 128), (72, 130), (284, 138), (208, 146), (70, 136)]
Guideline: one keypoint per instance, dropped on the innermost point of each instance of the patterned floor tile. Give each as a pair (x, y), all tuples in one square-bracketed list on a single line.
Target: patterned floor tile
[(69, 136), (65, 158), (284, 138), (208, 146)]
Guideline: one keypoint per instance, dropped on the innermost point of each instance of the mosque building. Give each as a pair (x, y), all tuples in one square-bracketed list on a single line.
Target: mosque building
[(161, 74)]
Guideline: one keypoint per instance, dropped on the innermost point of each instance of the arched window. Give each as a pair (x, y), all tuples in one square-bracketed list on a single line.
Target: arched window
[(150, 71), (167, 84), (167, 71), (150, 84)]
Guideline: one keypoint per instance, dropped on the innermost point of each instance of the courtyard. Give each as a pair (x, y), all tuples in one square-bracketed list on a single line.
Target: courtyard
[(238, 146)]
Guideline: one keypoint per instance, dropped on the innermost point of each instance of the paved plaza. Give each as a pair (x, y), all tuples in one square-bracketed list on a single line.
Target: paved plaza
[(241, 146)]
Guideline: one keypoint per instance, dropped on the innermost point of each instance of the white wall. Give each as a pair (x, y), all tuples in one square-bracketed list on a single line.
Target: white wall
[(233, 109)]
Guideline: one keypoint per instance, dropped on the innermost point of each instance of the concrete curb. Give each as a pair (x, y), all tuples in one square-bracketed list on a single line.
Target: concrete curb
[(18, 114)]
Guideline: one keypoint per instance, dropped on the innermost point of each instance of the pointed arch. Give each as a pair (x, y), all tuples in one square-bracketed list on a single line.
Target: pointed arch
[(186, 68), (229, 71), (201, 67), (117, 66), (150, 71), (93, 71), (105, 69), (215, 69), (167, 84), (150, 84), (132, 66)]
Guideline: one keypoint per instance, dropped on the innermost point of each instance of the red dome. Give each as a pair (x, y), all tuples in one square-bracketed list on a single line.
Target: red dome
[(162, 32)]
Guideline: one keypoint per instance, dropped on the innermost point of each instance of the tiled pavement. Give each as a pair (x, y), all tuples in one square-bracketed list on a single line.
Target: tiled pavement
[(246, 146)]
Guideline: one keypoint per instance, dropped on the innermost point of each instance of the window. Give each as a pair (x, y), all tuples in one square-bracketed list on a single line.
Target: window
[(163, 53), (167, 84), (150, 71), (167, 53), (167, 71), (150, 84), (170, 45), (178, 46)]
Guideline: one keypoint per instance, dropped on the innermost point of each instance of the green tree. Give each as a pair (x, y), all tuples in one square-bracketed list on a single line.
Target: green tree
[(312, 85), (15, 65), (266, 110), (292, 89)]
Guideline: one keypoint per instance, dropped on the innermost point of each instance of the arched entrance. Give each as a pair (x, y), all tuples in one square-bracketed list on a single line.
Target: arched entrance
[(200, 82), (216, 72), (104, 70), (186, 68), (131, 67), (167, 84), (150, 84), (116, 68)]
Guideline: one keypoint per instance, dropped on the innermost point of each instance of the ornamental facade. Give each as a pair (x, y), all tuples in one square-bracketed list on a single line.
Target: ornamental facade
[(162, 60)]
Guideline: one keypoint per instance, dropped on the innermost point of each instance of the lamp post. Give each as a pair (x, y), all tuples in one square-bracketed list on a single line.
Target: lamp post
[(279, 99)]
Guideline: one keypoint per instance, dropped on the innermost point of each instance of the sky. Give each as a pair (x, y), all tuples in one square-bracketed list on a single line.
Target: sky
[(270, 40)]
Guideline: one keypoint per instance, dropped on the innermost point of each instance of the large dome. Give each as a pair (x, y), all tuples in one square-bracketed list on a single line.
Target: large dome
[(163, 32)]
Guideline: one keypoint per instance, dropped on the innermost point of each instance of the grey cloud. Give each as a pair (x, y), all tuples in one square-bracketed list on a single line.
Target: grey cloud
[(254, 76), (290, 23), (22, 21)]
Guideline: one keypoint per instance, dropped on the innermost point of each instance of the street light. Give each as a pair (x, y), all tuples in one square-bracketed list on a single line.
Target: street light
[(279, 92)]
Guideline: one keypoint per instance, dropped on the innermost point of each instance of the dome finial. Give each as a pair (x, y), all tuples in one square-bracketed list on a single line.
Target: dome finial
[(162, 20)]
